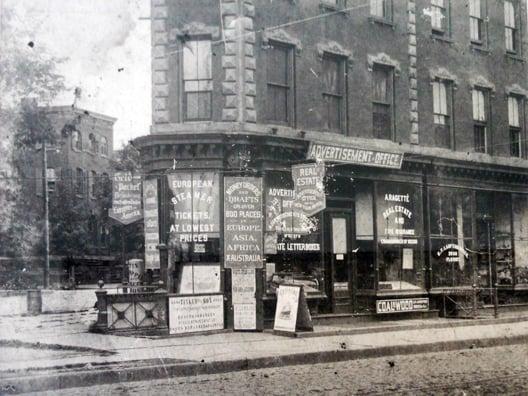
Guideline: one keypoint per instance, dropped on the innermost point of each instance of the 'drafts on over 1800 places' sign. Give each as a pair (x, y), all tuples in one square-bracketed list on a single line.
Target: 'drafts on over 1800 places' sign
[(126, 198)]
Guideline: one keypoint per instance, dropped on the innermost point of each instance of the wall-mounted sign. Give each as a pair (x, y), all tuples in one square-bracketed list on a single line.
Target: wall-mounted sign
[(243, 222), (150, 214), (310, 196), (126, 198), (282, 217), (402, 305), (196, 211), (188, 314), (292, 312), (350, 155)]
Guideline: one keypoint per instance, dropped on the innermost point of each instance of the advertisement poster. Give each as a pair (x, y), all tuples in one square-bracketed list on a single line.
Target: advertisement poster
[(189, 314), (243, 285), (150, 214), (243, 222), (310, 196), (196, 211), (196, 278), (287, 308), (126, 198), (245, 316)]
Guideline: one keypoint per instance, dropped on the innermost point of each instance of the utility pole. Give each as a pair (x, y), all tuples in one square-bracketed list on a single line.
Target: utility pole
[(46, 214)]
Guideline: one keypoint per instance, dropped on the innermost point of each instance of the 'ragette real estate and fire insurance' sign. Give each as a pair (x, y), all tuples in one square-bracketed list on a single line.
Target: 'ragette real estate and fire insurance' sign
[(126, 198), (402, 305), (352, 155)]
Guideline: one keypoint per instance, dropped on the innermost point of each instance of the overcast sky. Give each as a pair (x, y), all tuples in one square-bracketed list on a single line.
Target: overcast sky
[(108, 51)]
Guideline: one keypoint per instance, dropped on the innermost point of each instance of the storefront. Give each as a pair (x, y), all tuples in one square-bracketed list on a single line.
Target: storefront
[(363, 231)]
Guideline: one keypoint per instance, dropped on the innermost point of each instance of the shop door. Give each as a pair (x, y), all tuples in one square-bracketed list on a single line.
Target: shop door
[(338, 253)]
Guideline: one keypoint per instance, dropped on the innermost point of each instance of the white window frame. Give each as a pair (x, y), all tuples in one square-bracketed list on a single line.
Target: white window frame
[(510, 27), (440, 105), (192, 80)]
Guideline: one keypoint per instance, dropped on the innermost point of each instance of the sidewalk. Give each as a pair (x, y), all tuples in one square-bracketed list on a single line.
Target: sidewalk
[(55, 351)]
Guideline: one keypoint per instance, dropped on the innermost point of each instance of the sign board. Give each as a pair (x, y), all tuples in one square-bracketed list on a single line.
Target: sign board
[(245, 316), (136, 269), (196, 210), (150, 215), (243, 222), (243, 285), (126, 198), (196, 278), (292, 312), (351, 155), (402, 305), (310, 196), (189, 314)]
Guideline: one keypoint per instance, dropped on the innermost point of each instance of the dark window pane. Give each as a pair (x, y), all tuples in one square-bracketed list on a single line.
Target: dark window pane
[(480, 138), (277, 103), (442, 135), (333, 112), (515, 143), (381, 121), (198, 105), (332, 76), (277, 66)]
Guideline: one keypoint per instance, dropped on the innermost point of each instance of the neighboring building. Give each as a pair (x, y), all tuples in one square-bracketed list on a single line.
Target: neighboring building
[(416, 108)]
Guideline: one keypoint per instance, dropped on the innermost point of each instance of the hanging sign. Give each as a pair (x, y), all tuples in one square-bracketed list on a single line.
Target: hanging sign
[(357, 156), (292, 312), (126, 198), (310, 197), (196, 215), (188, 314), (243, 222), (150, 214)]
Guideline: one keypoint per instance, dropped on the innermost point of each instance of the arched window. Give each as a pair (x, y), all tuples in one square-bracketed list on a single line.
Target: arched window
[(104, 146), (76, 140), (93, 143)]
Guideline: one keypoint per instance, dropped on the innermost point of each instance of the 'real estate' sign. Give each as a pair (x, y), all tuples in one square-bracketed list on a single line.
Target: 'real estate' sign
[(310, 196), (243, 222), (126, 198), (352, 155), (150, 212), (189, 314), (402, 305)]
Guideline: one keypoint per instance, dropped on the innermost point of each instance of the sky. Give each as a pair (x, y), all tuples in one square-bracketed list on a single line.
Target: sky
[(107, 46)]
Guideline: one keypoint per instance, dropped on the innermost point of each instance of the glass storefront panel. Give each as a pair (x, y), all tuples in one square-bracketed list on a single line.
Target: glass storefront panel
[(520, 230), (451, 237), (365, 253), (400, 260)]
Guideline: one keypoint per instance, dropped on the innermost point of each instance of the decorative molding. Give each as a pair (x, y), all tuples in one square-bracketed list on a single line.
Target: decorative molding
[(383, 59), (334, 48), (281, 36), (441, 73), (516, 89), (194, 29), (481, 81)]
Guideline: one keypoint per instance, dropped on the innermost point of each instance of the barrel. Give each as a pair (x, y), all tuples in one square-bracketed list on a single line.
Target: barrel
[(34, 302)]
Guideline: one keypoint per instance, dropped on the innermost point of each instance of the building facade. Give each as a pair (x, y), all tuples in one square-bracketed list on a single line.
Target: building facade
[(414, 109)]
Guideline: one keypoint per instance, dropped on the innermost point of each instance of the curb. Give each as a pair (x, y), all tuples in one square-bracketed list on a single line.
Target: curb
[(26, 381)]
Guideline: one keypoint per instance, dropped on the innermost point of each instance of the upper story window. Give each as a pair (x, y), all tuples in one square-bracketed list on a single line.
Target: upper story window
[(333, 4), (382, 101), (197, 80), (442, 112), (51, 178), (93, 143), (280, 79), (93, 184), (481, 130), (76, 140), (477, 21), (334, 92), (381, 9), (515, 126), (79, 181), (104, 146), (511, 30), (440, 17)]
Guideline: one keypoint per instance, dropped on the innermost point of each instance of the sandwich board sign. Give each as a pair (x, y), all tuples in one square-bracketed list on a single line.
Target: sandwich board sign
[(292, 312)]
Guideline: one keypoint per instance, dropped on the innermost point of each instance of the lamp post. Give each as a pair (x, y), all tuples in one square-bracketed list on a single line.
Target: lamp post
[(46, 214)]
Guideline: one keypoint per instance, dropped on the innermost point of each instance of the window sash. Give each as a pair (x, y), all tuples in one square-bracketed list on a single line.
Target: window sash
[(382, 121), (479, 105), (440, 99), (513, 112), (197, 60), (334, 111), (380, 8), (475, 8), (278, 103), (439, 20), (509, 14), (515, 142), (198, 105), (333, 78), (481, 138)]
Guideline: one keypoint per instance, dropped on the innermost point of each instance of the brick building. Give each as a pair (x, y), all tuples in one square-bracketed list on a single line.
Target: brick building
[(416, 108)]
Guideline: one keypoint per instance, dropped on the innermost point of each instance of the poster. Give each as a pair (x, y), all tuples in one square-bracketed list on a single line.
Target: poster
[(126, 198), (150, 215), (188, 314), (245, 316), (287, 307), (243, 222), (196, 211), (243, 285), (407, 259), (199, 278), (310, 196)]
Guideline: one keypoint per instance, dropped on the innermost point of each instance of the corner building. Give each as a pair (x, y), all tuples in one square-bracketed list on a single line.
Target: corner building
[(416, 109)]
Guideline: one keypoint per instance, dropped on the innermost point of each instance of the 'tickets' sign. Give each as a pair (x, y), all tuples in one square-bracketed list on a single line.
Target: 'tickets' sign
[(195, 202), (242, 222), (189, 314), (150, 210), (310, 197), (126, 198), (350, 155)]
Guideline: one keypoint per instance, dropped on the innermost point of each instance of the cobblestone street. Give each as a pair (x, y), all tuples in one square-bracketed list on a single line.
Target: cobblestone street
[(500, 370)]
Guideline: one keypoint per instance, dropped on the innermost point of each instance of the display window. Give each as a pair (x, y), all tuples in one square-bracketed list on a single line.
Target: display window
[(365, 238), (520, 228), (399, 226), (451, 237)]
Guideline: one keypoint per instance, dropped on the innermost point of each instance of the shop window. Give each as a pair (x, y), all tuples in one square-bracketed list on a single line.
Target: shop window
[(520, 229), (516, 141), (382, 101), (511, 30), (194, 231), (451, 237), (481, 120), (381, 9), (399, 224), (442, 110), (364, 227), (280, 83), (334, 92), (197, 80), (477, 22), (440, 18)]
